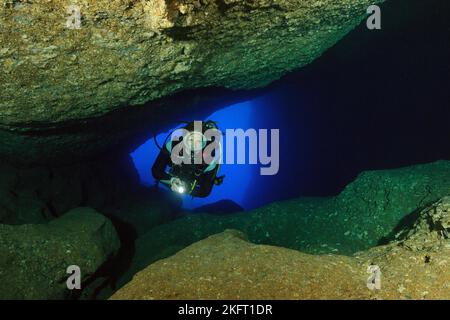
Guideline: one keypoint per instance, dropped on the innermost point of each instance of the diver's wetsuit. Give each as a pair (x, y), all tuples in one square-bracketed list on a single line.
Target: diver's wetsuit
[(205, 180)]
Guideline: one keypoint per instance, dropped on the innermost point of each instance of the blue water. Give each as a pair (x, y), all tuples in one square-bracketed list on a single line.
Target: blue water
[(238, 177), (348, 112)]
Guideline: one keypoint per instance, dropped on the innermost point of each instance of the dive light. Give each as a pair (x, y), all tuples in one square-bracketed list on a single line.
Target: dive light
[(180, 189)]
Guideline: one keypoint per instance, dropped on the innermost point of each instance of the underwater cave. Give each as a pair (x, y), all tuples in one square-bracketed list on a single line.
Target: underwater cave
[(361, 160)]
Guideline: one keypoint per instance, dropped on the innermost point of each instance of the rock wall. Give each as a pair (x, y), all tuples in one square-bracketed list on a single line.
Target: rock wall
[(37, 194), (129, 52), (227, 266), (370, 211)]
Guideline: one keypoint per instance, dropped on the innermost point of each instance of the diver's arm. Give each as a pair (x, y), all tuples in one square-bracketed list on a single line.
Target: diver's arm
[(166, 182), (159, 167)]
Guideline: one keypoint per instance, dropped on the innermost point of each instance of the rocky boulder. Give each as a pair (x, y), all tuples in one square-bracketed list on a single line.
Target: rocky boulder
[(370, 211), (34, 257), (227, 266)]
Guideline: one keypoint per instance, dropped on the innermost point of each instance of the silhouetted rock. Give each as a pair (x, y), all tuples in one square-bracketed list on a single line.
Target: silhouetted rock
[(221, 207)]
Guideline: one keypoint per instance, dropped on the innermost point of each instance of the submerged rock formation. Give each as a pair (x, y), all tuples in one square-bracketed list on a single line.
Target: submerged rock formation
[(34, 258), (38, 194), (57, 77), (431, 232), (370, 211), (226, 266)]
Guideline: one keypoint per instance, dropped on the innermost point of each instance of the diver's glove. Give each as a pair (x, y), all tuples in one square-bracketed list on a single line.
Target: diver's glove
[(218, 180), (177, 185)]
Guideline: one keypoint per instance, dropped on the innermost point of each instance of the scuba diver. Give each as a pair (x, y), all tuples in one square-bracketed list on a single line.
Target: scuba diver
[(193, 177)]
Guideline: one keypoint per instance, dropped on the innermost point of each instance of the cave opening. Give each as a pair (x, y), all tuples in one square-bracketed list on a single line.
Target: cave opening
[(376, 100), (242, 115)]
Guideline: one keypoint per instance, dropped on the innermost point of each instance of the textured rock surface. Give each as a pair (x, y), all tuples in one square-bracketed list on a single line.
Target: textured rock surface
[(128, 52), (431, 231), (37, 194), (34, 258), (226, 266), (372, 209)]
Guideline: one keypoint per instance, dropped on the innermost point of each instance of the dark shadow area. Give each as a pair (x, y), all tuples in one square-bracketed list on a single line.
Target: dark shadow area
[(113, 269), (405, 224), (221, 207), (377, 100), (104, 280), (400, 231)]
